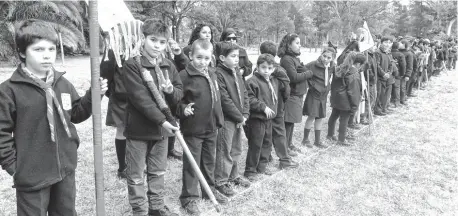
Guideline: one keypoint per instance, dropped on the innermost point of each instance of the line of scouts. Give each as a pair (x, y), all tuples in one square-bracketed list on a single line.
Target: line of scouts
[(206, 86)]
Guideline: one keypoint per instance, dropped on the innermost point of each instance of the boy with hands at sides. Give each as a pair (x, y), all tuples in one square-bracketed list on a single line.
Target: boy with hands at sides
[(39, 106), (235, 106), (263, 96), (200, 116)]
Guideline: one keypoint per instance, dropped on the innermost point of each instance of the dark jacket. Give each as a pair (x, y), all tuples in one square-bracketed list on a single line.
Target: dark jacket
[(384, 64), (233, 109), (346, 91), (285, 89), (245, 63), (116, 91), (400, 63), (409, 62), (30, 154), (144, 119), (261, 96), (196, 89), (297, 74), (371, 67), (316, 82)]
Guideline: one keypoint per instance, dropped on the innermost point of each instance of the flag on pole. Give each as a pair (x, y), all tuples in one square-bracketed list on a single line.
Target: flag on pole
[(365, 40)]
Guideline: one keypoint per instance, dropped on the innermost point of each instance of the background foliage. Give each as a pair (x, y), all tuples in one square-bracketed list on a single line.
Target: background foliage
[(255, 21)]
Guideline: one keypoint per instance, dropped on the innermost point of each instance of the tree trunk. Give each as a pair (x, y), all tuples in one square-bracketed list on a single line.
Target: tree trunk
[(449, 29), (177, 29)]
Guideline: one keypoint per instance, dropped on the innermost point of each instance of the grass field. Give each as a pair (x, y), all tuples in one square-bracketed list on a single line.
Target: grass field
[(407, 167)]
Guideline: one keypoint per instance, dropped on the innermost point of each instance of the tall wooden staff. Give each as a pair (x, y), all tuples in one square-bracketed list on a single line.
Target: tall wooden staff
[(96, 109)]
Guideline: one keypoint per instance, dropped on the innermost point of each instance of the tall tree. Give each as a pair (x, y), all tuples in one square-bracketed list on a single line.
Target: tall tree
[(65, 16)]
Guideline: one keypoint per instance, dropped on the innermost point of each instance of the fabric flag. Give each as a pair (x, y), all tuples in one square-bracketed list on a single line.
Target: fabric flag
[(365, 41), (112, 12)]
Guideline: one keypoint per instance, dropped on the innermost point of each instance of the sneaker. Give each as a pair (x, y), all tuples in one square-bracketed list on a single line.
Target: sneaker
[(307, 143), (242, 182), (267, 172), (252, 177), (218, 196), (350, 137), (294, 148), (354, 126), (331, 138), (165, 211), (412, 95), (192, 208), (380, 113), (289, 165), (365, 122), (292, 153), (320, 145), (122, 174), (175, 154), (226, 190), (344, 143), (271, 158)]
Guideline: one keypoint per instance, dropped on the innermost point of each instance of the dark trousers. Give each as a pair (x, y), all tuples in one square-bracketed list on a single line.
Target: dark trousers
[(171, 144), (384, 96), (411, 83), (259, 134), (381, 85), (344, 116), (203, 149), (55, 200), (228, 153), (396, 91), (289, 129), (402, 90), (279, 140), (153, 155)]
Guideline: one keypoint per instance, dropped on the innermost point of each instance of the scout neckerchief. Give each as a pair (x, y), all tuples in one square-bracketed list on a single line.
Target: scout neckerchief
[(50, 98), (234, 72), (326, 74), (213, 90), (272, 90)]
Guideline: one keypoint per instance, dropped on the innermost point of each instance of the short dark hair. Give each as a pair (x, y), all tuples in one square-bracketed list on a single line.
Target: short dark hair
[(31, 30), (387, 37), (226, 33), (285, 44), (156, 27), (196, 31), (202, 43), (225, 48), (406, 43), (266, 57), (395, 45), (359, 58), (268, 47)]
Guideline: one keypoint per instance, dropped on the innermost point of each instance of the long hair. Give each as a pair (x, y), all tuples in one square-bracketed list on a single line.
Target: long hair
[(342, 69), (196, 31), (285, 44)]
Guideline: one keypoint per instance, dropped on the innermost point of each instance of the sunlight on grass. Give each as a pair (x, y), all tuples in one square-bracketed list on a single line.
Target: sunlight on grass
[(407, 167)]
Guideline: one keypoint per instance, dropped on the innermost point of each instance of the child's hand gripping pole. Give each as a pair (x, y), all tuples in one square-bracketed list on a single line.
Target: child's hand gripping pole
[(196, 169)]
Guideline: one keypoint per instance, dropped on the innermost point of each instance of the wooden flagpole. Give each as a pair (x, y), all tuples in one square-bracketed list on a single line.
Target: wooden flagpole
[(62, 49), (96, 108)]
